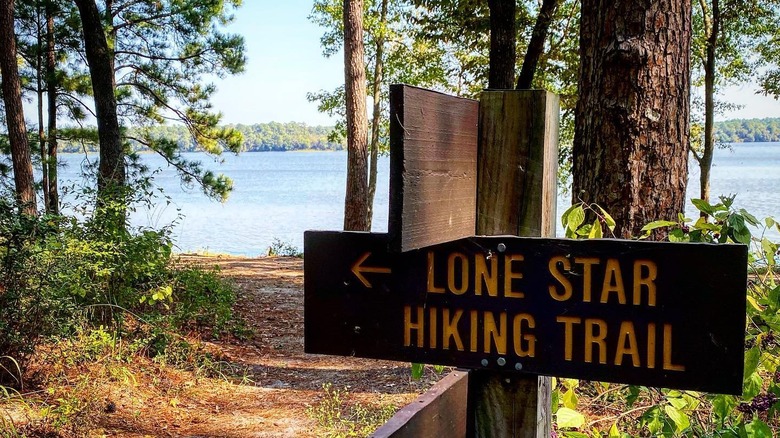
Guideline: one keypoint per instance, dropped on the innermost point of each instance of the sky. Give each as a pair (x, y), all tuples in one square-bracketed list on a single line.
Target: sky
[(284, 62)]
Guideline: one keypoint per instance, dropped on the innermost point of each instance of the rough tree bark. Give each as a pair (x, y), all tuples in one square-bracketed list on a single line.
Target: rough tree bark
[(503, 34), (111, 170), (536, 45), (355, 203), (14, 113), (376, 117), (631, 133)]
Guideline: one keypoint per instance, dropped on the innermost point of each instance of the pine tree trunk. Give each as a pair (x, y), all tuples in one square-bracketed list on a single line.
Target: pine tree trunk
[(631, 133), (111, 170), (503, 34), (376, 117), (14, 113), (355, 203), (39, 88), (705, 164), (51, 94), (536, 44)]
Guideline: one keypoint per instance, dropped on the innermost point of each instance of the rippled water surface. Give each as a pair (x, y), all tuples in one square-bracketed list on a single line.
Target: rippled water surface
[(278, 195)]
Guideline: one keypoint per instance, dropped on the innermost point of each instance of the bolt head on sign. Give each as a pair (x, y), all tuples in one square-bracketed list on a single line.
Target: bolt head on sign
[(643, 313)]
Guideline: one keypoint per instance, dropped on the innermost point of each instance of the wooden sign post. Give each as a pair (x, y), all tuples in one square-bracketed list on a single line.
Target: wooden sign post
[(509, 308)]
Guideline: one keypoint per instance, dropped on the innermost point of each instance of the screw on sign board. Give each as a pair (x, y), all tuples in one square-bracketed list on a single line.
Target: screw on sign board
[(643, 313)]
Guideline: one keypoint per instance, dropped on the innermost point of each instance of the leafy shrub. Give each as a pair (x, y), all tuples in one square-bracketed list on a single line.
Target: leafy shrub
[(340, 418), (640, 411), (60, 273), (280, 248)]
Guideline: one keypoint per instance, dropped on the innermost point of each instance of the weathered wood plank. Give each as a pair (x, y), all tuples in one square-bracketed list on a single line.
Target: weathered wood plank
[(439, 412), (433, 167), (516, 194), (518, 163)]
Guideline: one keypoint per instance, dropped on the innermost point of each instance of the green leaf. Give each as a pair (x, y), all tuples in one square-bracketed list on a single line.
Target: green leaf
[(770, 222), (752, 357), (633, 395), (555, 400), (740, 232), (595, 231), (417, 371), (658, 224), (570, 399), (680, 419), (565, 215), (749, 217), (569, 418), (723, 405), (752, 386), (607, 218), (758, 429), (703, 206), (614, 432), (576, 218), (678, 402)]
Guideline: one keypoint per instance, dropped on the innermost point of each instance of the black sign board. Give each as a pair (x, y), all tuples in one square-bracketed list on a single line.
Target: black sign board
[(644, 313)]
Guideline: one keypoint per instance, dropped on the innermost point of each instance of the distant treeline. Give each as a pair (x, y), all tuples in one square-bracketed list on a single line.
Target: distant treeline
[(748, 130), (259, 137)]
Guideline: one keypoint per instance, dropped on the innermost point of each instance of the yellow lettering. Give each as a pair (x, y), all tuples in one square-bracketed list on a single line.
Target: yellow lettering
[(464, 273), (409, 326), (432, 288), (510, 275), (648, 281), (668, 365), (496, 334), (651, 345), (587, 275), (613, 282), (529, 350), (558, 275), (595, 339), (481, 274), (449, 329), (568, 329), (627, 336)]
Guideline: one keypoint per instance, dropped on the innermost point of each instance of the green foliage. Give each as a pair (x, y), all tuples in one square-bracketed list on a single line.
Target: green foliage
[(338, 417), (643, 411), (280, 248), (748, 130), (60, 273), (259, 137)]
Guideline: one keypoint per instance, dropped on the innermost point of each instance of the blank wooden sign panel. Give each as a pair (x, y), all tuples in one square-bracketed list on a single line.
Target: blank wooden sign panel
[(433, 171)]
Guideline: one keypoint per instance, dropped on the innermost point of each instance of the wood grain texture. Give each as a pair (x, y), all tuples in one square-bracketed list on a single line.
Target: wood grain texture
[(439, 412), (433, 167), (518, 163), (516, 194)]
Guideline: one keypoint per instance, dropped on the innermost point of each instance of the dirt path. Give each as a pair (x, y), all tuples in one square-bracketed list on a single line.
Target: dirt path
[(282, 381)]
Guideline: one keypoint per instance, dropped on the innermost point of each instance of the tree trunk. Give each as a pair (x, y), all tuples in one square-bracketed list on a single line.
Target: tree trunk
[(111, 170), (376, 117), (39, 87), (503, 34), (355, 203), (14, 113), (51, 94), (705, 164), (631, 139), (536, 45)]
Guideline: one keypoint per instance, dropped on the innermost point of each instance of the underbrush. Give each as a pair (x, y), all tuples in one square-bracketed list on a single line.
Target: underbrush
[(595, 409), (338, 416), (83, 303)]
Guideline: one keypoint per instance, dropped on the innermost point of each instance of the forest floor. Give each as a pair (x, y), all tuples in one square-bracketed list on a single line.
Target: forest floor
[(264, 384)]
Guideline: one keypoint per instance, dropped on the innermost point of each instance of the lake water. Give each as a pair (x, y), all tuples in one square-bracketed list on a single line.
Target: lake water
[(279, 195)]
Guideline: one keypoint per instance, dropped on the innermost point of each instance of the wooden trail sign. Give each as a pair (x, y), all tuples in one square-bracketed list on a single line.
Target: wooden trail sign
[(643, 313)]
